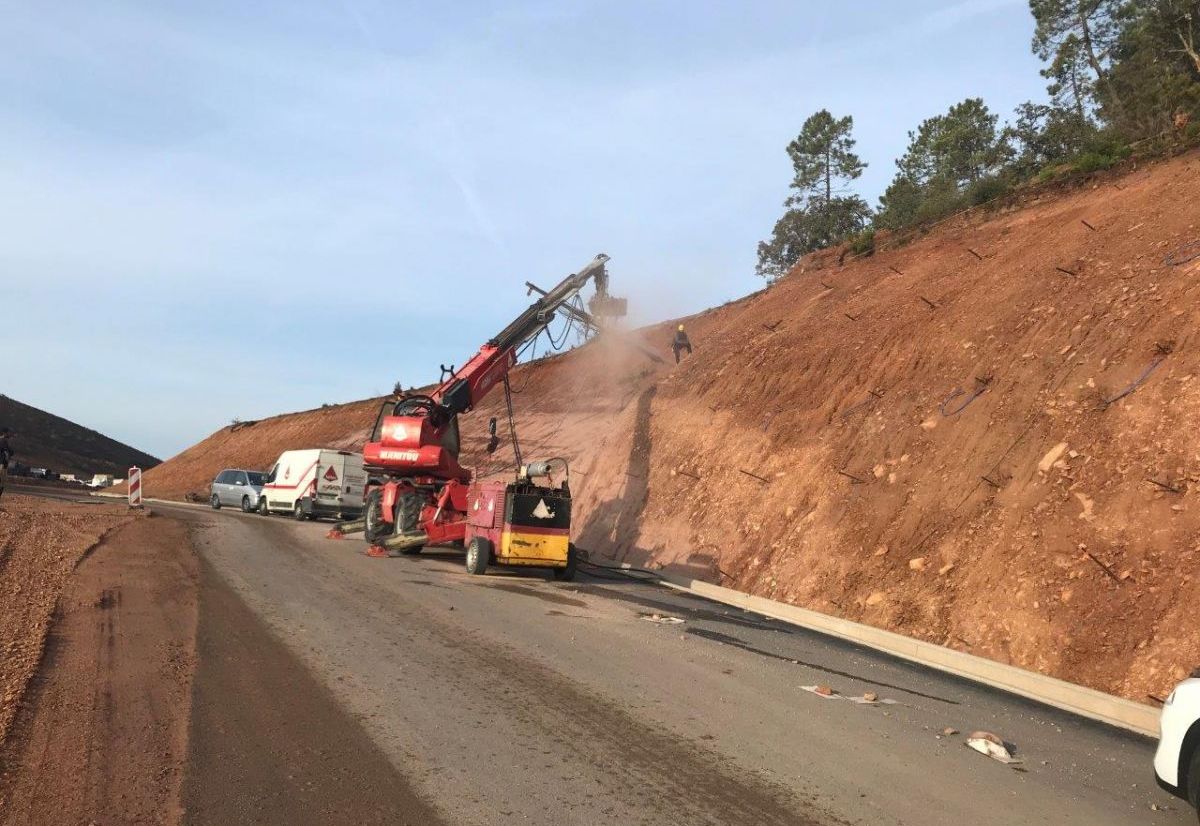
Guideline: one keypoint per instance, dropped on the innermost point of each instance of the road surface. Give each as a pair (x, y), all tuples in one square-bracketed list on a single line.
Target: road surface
[(340, 687)]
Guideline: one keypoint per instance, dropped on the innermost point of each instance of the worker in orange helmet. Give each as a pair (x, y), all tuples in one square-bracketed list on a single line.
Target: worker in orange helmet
[(681, 342)]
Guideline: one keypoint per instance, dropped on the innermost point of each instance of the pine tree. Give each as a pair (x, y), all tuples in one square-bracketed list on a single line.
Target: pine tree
[(821, 211), (1072, 33)]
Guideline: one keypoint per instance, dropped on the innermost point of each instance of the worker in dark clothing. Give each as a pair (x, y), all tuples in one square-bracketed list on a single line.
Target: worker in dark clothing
[(681, 342), (5, 455)]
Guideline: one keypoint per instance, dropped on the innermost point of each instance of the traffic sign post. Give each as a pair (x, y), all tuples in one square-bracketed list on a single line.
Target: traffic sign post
[(135, 487)]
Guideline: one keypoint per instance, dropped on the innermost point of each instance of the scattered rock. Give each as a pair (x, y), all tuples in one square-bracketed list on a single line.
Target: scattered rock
[(917, 564), (991, 745), (945, 569), (662, 619), (1053, 456), (824, 691), (876, 598), (949, 732)]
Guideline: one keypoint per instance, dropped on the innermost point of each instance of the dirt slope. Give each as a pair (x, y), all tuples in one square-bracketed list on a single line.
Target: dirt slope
[(42, 439), (257, 444), (849, 398)]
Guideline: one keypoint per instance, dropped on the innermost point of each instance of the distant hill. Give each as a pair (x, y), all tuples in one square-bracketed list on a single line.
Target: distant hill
[(41, 439)]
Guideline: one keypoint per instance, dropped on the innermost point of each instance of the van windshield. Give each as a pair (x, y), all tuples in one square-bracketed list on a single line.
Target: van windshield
[(257, 479)]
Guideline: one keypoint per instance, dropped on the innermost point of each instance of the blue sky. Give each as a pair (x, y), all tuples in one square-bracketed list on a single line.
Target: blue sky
[(215, 209)]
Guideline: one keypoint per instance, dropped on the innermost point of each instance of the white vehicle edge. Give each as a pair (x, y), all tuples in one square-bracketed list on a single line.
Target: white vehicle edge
[(1177, 759), (313, 483)]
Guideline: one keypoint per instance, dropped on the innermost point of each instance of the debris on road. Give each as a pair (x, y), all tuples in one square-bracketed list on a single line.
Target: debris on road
[(989, 744), (662, 619), (822, 691), (870, 698)]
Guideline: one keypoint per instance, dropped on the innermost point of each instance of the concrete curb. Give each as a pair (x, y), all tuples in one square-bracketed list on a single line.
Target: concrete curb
[(149, 501), (179, 504), (1086, 702)]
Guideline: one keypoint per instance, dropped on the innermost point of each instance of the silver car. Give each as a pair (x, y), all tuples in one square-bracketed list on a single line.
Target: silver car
[(237, 488)]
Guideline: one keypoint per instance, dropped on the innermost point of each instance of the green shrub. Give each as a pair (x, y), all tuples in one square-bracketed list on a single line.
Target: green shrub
[(862, 243), (1049, 174), (987, 189), (941, 199), (1094, 162)]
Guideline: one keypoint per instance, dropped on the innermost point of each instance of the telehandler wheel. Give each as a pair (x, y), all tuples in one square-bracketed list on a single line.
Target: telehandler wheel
[(215, 501), (374, 528), (479, 551), (246, 504), (568, 573), (408, 512)]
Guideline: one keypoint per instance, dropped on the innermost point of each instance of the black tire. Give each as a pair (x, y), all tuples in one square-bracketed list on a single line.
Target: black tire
[(298, 511), (246, 505), (568, 573), (375, 528), (215, 502), (263, 509), (408, 514), (479, 553), (1191, 783)]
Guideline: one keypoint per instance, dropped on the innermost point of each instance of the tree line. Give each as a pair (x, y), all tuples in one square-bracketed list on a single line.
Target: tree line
[(1119, 72)]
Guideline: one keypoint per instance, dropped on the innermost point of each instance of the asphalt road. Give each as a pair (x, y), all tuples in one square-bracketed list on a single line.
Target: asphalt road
[(515, 699)]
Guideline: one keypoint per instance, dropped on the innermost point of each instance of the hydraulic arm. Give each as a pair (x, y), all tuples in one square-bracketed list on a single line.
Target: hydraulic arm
[(416, 438)]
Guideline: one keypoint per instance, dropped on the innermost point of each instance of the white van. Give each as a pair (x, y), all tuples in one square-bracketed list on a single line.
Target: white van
[(310, 484)]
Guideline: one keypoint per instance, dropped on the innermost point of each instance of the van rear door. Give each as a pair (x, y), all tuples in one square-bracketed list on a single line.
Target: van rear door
[(331, 471), (354, 482)]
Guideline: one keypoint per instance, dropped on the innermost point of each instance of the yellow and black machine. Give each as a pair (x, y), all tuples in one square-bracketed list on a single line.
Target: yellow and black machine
[(523, 522)]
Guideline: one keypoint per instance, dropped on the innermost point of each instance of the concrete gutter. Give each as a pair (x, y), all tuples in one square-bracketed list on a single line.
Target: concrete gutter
[(1086, 702)]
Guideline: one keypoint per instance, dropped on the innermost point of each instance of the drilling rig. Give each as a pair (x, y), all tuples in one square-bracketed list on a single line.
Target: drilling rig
[(420, 495)]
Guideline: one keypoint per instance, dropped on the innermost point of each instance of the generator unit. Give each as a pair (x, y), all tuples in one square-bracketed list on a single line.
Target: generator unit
[(524, 522)]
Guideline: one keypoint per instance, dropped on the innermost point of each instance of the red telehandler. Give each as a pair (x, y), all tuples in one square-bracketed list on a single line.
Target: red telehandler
[(420, 495)]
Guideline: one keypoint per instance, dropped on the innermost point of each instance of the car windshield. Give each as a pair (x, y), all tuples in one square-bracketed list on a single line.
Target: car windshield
[(257, 479)]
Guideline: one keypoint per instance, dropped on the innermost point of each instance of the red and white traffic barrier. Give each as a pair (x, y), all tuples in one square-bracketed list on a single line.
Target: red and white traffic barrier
[(135, 487)]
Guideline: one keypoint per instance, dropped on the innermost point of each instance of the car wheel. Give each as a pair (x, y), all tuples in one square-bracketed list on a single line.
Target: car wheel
[(298, 511), (479, 551), (568, 573), (215, 501), (1192, 783), (246, 504)]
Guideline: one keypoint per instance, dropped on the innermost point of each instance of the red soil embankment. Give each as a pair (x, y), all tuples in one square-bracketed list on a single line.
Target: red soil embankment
[(1013, 518)]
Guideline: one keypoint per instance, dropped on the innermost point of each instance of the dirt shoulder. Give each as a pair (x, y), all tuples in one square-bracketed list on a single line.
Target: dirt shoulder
[(41, 542), (102, 734)]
